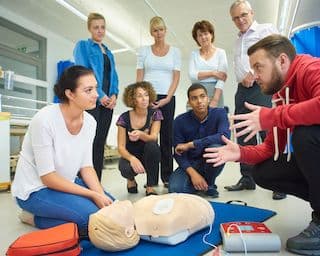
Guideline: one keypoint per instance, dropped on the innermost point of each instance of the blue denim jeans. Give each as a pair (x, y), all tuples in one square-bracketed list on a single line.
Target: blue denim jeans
[(52, 208), (180, 181)]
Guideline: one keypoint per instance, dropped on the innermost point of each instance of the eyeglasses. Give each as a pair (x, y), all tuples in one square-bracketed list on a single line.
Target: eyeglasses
[(242, 16)]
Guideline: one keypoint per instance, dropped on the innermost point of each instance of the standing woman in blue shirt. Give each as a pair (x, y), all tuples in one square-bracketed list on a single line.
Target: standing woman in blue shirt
[(92, 53), (160, 65)]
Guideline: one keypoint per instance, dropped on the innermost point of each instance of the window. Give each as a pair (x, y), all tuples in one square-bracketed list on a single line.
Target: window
[(23, 52)]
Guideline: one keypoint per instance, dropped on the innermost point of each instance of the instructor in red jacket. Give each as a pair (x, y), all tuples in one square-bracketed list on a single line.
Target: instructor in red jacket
[(288, 159)]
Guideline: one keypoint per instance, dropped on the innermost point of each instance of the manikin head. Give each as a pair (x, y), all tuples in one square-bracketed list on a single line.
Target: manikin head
[(112, 227)]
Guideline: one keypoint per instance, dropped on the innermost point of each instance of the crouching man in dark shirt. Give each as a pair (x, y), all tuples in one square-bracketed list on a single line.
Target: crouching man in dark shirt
[(195, 130)]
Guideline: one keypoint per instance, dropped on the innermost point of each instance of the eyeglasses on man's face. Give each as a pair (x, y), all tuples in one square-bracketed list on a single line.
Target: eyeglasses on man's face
[(243, 15)]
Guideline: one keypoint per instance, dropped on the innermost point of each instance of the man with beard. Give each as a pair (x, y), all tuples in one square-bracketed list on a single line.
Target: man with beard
[(248, 90), (294, 81), (195, 130)]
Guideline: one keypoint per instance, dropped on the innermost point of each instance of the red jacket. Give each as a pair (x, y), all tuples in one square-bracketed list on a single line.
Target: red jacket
[(303, 81)]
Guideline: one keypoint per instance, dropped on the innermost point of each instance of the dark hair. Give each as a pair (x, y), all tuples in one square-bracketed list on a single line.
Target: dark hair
[(130, 93), (274, 45), (69, 80), (196, 86), (203, 26)]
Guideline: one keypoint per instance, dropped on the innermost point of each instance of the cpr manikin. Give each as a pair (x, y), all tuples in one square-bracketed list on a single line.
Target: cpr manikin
[(168, 219), (171, 218), (112, 227)]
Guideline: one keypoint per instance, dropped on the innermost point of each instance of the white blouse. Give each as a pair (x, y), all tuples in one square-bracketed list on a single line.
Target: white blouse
[(218, 62), (159, 70)]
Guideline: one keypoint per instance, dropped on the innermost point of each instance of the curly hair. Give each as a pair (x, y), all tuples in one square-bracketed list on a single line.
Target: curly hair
[(130, 93), (203, 26)]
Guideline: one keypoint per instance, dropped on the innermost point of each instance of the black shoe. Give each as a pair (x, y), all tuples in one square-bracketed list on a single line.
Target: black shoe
[(151, 193), (133, 190), (278, 195), (243, 183)]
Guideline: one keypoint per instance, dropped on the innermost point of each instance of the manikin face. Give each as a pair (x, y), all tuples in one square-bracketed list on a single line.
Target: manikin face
[(204, 38), (121, 212), (141, 98), (158, 33), (199, 102), (267, 72), (98, 30), (242, 17), (85, 95)]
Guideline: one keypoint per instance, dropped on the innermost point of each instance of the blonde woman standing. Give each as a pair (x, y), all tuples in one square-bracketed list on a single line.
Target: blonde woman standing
[(160, 65)]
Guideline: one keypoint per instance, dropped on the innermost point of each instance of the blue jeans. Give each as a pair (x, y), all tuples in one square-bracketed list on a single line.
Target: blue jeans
[(180, 181), (52, 208)]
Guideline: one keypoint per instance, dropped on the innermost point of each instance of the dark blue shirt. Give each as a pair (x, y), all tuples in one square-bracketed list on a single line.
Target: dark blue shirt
[(187, 127)]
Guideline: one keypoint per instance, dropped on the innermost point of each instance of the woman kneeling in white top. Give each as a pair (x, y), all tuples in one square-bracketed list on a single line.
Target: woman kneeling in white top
[(58, 146)]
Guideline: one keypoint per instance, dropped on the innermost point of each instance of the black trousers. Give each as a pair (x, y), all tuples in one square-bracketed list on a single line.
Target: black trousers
[(166, 138), (301, 175), (103, 117), (251, 95), (150, 158)]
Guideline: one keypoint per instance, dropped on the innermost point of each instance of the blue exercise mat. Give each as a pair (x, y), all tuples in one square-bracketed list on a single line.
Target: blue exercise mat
[(193, 245)]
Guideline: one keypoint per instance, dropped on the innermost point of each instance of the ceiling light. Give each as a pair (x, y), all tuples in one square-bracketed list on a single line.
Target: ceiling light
[(108, 34)]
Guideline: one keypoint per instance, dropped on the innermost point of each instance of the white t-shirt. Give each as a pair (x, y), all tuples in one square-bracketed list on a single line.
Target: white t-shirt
[(49, 146), (159, 70), (218, 62)]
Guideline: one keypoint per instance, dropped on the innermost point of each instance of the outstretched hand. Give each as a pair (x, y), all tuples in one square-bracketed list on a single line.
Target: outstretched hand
[(250, 123), (220, 155)]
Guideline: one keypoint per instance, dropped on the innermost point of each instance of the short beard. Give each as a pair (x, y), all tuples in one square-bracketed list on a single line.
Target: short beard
[(275, 84)]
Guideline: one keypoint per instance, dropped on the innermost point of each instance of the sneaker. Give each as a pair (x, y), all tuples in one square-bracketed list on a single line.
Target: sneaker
[(308, 241)]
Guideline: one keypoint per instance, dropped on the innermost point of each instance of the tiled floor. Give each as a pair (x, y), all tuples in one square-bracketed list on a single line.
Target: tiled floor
[(293, 215)]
